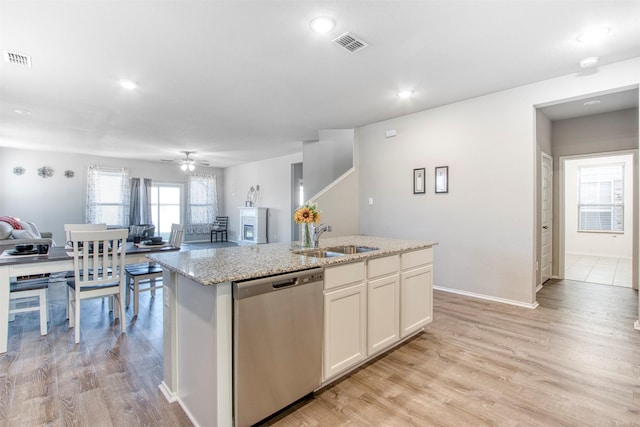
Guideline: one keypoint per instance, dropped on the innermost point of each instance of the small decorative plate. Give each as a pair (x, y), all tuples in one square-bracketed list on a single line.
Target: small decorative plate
[(69, 173), (18, 170)]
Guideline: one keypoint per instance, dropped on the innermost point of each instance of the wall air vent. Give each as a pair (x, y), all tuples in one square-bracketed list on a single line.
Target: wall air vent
[(17, 58), (351, 42)]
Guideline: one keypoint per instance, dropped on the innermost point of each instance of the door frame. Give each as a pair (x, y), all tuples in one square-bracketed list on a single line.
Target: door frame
[(634, 205)]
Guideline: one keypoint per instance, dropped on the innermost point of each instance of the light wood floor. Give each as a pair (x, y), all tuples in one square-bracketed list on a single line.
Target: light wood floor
[(574, 361)]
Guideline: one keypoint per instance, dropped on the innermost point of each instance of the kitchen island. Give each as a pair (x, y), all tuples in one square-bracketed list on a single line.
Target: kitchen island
[(198, 307)]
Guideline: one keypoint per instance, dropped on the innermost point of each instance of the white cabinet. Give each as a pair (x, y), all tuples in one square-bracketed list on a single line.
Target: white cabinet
[(345, 318), (383, 303), (416, 295), (370, 307)]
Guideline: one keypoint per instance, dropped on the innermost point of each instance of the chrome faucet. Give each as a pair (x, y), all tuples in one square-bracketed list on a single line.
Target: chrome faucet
[(317, 232)]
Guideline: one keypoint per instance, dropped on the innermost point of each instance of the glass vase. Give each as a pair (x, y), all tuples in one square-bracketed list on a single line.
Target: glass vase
[(306, 235)]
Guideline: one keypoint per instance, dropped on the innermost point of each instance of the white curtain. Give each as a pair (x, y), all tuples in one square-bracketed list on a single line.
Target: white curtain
[(107, 196), (202, 206)]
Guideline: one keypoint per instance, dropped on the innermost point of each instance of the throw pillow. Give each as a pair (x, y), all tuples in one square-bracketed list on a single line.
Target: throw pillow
[(22, 234), (26, 225), (5, 230), (137, 230)]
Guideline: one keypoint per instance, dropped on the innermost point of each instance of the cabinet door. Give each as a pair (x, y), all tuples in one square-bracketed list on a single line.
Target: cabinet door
[(344, 329), (383, 314), (416, 308)]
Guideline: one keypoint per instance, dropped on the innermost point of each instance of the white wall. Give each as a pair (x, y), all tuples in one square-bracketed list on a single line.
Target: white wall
[(485, 225), (52, 202), (338, 206), (597, 244), (274, 178), (326, 159)]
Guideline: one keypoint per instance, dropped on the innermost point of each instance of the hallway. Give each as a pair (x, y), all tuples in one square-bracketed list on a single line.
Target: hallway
[(601, 270)]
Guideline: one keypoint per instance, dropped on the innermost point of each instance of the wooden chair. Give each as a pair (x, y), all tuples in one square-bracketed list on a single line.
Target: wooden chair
[(220, 227), (98, 271), (30, 288), (137, 273)]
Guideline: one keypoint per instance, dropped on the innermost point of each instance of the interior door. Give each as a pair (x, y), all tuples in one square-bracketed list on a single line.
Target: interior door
[(547, 217)]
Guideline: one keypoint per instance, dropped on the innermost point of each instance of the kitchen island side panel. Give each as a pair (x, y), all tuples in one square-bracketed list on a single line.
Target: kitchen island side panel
[(204, 352)]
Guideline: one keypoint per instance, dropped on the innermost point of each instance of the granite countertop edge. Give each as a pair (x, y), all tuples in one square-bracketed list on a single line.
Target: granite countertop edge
[(231, 264)]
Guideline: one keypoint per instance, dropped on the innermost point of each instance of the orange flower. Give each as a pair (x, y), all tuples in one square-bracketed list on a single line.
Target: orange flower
[(307, 214)]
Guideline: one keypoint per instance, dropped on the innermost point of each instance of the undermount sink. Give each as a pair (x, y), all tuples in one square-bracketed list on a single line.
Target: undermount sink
[(317, 253), (350, 249), (334, 251)]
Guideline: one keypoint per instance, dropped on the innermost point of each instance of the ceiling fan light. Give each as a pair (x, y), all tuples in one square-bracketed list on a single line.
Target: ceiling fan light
[(191, 167), (183, 167)]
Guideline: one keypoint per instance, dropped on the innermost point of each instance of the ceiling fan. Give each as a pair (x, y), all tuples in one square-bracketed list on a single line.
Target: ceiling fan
[(188, 163)]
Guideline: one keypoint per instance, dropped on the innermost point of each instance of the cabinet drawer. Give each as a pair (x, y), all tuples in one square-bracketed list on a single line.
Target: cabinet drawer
[(383, 266), (416, 258), (343, 275)]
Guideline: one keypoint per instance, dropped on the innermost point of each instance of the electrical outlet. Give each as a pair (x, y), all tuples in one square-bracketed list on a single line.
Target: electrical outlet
[(370, 200)]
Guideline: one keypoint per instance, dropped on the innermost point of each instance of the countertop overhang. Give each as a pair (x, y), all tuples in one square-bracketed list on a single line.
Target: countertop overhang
[(230, 264)]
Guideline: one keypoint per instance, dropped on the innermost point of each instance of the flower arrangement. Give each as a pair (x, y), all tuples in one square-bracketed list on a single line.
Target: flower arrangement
[(306, 214)]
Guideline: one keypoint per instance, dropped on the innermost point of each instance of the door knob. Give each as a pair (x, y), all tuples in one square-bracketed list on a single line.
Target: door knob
[(545, 227)]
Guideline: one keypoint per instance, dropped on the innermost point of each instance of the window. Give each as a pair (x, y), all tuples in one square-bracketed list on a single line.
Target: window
[(601, 198), (202, 207), (166, 208), (107, 196)]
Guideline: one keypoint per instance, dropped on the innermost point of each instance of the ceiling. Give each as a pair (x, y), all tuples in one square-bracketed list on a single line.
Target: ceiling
[(240, 81)]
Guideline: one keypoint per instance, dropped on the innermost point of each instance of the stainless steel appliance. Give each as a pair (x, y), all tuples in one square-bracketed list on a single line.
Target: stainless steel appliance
[(277, 342)]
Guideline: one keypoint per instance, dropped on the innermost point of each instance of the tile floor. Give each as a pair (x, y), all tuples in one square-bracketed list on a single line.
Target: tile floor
[(594, 269)]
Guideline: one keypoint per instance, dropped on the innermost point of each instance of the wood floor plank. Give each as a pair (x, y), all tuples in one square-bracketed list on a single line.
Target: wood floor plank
[(573, 361)]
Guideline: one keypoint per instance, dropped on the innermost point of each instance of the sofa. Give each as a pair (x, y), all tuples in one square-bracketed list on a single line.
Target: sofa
[(138, 232), (14, 231)]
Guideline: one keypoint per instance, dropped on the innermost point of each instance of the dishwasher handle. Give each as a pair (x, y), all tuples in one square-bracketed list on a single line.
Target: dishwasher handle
[(285, 283), (254, 287)]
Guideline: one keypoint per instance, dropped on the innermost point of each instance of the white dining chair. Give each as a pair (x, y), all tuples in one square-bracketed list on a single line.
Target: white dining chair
[(98, 271), (26, 291), (147, 274)]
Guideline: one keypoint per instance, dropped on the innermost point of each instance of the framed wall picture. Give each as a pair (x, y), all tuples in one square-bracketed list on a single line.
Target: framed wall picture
[(418, 181), (442, 179)]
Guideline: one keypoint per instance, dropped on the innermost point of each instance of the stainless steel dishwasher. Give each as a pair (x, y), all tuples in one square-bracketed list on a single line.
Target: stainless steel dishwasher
[(277, 342)]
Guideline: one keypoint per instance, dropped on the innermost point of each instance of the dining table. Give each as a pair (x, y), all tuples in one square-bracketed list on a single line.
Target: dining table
[(57, 259)]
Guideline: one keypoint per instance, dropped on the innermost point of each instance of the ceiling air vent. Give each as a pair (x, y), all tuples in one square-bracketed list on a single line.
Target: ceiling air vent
[(351, 42), (17, 58)]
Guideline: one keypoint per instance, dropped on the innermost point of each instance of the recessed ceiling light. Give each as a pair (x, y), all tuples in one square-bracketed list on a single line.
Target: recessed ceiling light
[(322, 24), (405, 94), (128, 84), (24, 112), (589, 62), (593, 35), (590, 103)]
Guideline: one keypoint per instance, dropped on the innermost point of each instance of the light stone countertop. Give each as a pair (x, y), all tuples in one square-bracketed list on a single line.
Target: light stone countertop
[(213, 266)]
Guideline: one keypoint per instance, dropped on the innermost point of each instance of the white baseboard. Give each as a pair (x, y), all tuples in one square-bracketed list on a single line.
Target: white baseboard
[(167, 393), (636, 325), (487, 297), (538, 288)]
